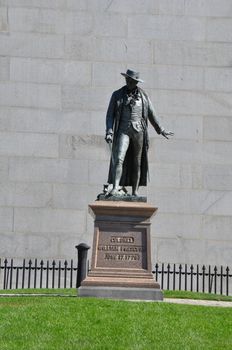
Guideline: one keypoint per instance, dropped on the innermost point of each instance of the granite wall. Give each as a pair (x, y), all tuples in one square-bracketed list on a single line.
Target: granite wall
[(60, 60)]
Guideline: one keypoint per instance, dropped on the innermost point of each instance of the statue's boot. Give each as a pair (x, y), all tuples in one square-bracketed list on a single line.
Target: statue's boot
[(135, 182)]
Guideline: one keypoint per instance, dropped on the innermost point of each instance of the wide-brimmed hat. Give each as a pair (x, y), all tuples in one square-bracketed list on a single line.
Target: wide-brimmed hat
[(133, 75)]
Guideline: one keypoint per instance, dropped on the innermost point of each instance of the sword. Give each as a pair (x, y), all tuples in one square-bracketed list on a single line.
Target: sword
[(111, 153)]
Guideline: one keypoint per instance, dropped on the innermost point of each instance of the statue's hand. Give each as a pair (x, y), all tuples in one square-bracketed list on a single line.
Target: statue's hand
[(109, 138), (167, 133)]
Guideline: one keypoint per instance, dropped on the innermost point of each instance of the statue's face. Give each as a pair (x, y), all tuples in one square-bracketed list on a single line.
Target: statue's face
[(131, 83)]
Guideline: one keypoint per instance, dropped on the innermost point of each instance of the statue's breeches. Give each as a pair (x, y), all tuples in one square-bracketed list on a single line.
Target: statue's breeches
[(124, 139)]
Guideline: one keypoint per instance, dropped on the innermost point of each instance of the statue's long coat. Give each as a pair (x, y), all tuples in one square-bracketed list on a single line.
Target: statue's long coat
[(113, 116)]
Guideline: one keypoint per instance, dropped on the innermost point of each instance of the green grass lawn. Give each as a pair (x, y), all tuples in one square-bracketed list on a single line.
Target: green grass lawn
[(49, 323)]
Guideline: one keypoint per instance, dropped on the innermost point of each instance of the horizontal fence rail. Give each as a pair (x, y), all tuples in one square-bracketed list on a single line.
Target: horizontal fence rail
[(63, 274)]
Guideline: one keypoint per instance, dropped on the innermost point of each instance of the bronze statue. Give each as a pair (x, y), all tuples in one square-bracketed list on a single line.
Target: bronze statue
[(126, 130)]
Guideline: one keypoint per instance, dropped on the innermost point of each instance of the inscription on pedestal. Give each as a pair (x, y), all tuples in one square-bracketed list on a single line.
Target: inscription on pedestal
[(122, 249)]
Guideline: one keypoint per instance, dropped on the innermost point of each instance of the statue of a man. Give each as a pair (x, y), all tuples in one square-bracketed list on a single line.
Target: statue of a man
[(126, 128)]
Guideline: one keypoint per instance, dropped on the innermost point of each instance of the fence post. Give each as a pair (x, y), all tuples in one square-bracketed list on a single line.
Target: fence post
[(174, 277), (168, 276), (215, 279), (203, 278), (5, 281), (180, 275), (82, 252), (191, 277), (227, 280), (156, 271)]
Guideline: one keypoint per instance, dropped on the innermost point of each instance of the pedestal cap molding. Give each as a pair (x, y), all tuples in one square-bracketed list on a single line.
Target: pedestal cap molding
[(113, 208)]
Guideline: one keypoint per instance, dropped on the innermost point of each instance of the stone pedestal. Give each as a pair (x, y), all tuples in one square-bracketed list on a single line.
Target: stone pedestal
[(121, 255)]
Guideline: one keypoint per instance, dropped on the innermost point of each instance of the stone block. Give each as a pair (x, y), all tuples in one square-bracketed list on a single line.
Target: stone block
[(108, 50), (82, 98), (3, 19), (217, 203), (32, 45), (208, 8), (37, 3), (36, 20), (78, 73), (124, 293), (112, 25), (130, 52), (192, 53), (50, 71), (30, 95), (3, 169), (52, 21), (36, 245), (178, 226), (216, 152), (191, 102), (174, 151), (171, 7), (215, 227), (25, 195), (34, 145), (36, 70), (44, 121), (179, 251), (78, 23), (80, 5), (191, 176), (217, 177), (108, 74), (218, 253), (197, 177), (219, 29), (191, 202), (48, 170), (167, 175), (167, 27), (98, 173), (218, 79), (212, 131), (40, 244), (185, 127), (81, 49), (6, 219), (128, 7), (70, 196), (84, 147), (98, 122), (164, 175), (172, 77), (66, 245), (49, 220), (4, 68), (12, 245)]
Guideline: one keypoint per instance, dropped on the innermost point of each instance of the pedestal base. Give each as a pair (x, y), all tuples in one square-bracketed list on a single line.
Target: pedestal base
[(121, 254), (121, 293)]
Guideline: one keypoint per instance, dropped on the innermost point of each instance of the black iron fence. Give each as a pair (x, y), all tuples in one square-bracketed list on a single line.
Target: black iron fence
[(37, 274), (63, 274), (194, 278)]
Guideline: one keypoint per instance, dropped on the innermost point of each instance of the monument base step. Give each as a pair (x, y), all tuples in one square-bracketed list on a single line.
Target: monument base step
[(126, 293)]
